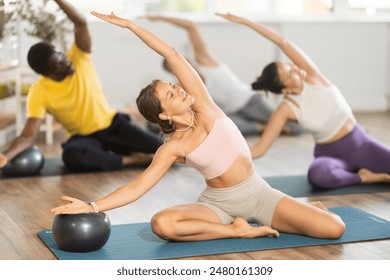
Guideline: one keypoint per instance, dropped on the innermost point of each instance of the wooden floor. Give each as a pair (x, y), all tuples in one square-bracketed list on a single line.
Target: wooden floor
[(25, 203)]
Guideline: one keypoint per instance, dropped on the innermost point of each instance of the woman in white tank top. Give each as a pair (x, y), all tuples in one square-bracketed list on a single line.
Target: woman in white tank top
[(345, 154)]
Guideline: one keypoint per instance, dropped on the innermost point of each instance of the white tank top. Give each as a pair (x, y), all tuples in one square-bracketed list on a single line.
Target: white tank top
[(322, 110)]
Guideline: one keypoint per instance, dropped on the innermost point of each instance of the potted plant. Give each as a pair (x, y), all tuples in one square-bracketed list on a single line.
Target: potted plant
[(4, 19), (8, 16), (48, 25)]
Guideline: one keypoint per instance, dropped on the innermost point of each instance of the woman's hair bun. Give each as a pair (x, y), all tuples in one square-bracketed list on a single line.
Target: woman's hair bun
[(257, 85)]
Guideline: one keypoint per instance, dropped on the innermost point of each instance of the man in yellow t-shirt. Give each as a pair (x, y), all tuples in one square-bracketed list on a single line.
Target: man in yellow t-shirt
[(70, 90)]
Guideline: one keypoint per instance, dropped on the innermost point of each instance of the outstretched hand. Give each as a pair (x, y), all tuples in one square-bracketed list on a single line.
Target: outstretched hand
[(74, 207), (3, 160), (232, 18), (112, 18)]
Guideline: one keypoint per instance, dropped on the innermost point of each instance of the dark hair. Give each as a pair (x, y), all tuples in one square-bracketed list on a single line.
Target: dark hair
[(269, 80), (38, 57), (150, 107)]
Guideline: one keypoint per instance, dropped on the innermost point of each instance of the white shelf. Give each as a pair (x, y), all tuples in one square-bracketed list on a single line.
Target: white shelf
[(20, 74), (12, 65)]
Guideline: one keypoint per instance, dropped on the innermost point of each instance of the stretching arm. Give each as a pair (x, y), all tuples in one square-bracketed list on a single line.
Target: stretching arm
[(81, 32), (273, 129), (292, 51), (202, 55), (22, 142), (128, 193), (185, 73)]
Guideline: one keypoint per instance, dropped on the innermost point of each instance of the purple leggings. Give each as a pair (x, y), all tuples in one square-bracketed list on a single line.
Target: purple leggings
[(336, 164)]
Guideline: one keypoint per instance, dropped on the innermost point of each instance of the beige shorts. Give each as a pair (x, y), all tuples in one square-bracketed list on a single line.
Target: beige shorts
[(253, 199)]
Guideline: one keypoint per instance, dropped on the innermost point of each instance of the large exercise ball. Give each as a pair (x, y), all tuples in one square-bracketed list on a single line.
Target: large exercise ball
[(83, 232), (26, 163)]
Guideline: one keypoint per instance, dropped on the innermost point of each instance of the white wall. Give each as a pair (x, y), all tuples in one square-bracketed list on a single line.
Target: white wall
[(388, 67), (354, 55)]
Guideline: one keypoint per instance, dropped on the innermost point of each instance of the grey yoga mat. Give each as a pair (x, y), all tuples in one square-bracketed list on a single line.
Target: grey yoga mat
[(295, 185), (55, 167), (299, 186)]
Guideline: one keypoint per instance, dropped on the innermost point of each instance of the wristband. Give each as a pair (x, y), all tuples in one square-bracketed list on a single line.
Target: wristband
[(94, 206)]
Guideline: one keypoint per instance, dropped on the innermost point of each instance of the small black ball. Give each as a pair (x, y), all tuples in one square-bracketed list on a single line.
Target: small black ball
[(26, 163), (83, 232)]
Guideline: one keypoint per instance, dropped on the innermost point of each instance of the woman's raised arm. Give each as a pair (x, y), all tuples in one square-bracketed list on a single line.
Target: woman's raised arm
[(182, 69), (292, 51), (201, 52)]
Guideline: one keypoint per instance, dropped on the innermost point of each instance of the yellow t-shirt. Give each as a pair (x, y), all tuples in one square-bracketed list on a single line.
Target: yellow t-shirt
[(77, 102)]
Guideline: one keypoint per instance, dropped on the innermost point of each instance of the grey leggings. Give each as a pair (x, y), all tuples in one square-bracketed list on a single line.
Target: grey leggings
[(253, 200), (258, 110)]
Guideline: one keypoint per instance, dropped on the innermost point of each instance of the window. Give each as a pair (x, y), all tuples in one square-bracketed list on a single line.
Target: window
[(255, 7), (370, 7), (103, 6), (133, 8), (303, 7), (188, 6)]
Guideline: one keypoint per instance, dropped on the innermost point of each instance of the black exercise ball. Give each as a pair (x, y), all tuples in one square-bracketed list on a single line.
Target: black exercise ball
[(83, 232), (26, 163)]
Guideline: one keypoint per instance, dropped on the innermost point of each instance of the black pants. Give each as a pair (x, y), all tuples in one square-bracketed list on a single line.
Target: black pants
[(103, 150)]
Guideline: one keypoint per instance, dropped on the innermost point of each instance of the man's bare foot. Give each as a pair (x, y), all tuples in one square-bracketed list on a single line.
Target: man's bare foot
[(367, 176), (3, 161), (245, 230), (137, 158)]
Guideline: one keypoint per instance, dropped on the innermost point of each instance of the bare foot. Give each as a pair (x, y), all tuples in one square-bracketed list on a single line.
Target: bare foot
[(137, 158), (245, 230), (367, 176), (260, 127), (3, 161), (286, 131), (319, 205)]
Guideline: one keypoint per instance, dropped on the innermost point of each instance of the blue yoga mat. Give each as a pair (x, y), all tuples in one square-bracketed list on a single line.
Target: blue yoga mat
[(138, 242)]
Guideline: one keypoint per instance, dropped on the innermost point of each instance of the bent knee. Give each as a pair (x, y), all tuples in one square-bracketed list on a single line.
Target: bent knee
[(334, 230), (322, 177), (73, 156), (162, 225)]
